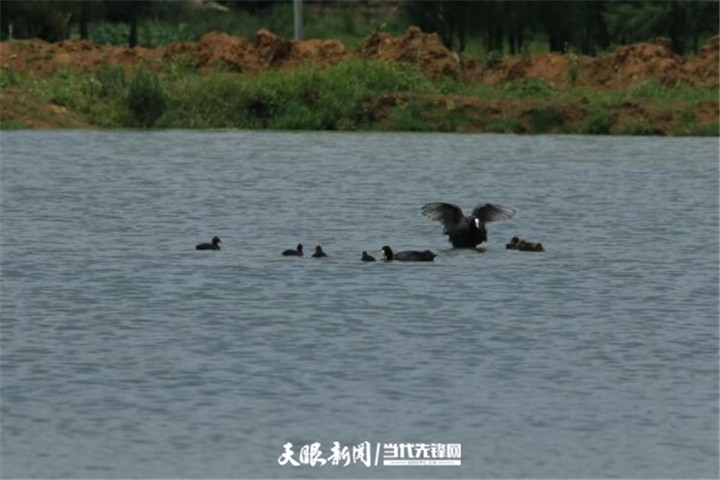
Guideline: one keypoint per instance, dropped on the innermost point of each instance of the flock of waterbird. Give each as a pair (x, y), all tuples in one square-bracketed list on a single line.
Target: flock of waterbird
[(462, 231)]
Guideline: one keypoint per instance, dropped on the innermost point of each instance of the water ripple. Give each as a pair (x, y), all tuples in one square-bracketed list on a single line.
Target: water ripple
[(126, 353)]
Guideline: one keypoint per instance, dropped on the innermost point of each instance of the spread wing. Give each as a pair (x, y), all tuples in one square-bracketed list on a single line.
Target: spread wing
[(493, 213), (445, 213)]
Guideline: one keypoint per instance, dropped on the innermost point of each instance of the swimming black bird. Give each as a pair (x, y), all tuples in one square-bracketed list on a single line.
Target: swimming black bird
[(407, 255), (513, 243), (319, 252), (366, 257), (214, 245), (524, 246), (518, 243), (298, 252), (466, 232)]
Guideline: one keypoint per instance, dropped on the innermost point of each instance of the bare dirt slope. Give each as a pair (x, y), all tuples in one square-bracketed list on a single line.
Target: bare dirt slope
[(627, 66)]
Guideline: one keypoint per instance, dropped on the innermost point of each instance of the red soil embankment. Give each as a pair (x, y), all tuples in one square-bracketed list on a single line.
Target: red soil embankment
[(627, 66)]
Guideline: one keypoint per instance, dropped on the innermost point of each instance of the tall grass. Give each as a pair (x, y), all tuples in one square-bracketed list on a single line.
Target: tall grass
[(308, 98), (356, 95), (7, 78)]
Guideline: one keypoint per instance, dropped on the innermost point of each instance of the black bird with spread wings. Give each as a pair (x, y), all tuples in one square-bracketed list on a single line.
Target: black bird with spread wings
[(466, 232)]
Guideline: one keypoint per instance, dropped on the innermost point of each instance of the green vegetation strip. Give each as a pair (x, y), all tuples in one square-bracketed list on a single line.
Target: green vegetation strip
[(355, 95)]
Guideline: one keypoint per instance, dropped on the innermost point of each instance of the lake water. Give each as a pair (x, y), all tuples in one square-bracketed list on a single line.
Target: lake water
[(127, 353)]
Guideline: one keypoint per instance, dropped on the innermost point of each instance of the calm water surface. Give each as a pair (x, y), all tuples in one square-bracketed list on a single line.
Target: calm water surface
[(126, 353)]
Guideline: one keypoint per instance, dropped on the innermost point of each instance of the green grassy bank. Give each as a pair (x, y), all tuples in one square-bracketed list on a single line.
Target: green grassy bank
[(355, 95)]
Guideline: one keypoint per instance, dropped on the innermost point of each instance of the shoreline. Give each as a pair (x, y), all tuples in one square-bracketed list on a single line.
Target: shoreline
[(407, 83)]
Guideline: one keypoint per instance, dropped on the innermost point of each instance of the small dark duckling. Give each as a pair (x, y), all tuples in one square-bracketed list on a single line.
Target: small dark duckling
[(524, 246), (213, 245), (298, 252), (366, 257), (513, 244), (407, 255), (319, 252)]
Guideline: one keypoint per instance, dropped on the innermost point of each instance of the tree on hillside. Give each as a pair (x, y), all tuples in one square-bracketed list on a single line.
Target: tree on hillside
[(449, 19), (128, 11), (84, 18), (518, 19), (42, 19), (253, 6), (702, 20), (489, 18), (501, 23), (585, 26), (81, 13), (682, 22), (593, 33), (557, 20), (573, 25)]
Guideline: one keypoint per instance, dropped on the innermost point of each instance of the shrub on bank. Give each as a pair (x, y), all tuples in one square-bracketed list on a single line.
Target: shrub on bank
[(308, 98), (106, 82), (146, 98), (598, 124)]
